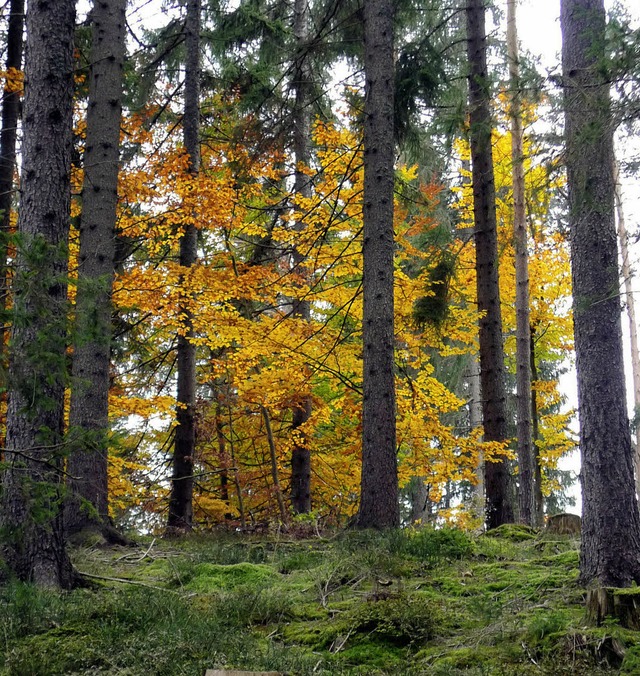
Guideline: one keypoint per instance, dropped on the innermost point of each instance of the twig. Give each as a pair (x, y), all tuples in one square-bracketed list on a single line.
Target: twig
[(141, 558), (125, 581)]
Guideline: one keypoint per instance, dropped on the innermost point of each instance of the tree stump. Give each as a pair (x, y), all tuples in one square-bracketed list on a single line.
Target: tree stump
[(612, 602), (564, 524)]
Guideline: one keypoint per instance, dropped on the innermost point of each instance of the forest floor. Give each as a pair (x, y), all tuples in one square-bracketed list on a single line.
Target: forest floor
[(433, 602)]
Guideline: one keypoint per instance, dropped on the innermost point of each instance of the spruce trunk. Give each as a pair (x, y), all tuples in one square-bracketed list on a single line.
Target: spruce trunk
[(379, 485), (31, 512), (492, 373), (301, 455), (89, 410), (8, 136), (610, 552), (181, 498)]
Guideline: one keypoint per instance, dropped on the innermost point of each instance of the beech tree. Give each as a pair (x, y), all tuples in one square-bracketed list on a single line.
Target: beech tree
[(379, 486), (31, 516), (89, 409), (610, 552), (492, 371)]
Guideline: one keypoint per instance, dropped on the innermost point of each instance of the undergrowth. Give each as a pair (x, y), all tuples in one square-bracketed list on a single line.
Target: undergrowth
[(418, 601)]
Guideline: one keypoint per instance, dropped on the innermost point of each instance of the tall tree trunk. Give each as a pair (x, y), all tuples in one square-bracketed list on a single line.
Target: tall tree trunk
[(181, 499), (499, 509), (379, 485), (300, 455), (610, 552), (8, 135), (89, 411), (630, 304), (526, 470), (31, 511)]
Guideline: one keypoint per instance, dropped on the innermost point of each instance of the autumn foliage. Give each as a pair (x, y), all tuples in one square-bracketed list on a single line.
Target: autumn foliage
[(256, 360)]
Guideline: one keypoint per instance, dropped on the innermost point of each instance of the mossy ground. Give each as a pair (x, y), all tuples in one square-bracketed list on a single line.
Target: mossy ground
[(410, 602)]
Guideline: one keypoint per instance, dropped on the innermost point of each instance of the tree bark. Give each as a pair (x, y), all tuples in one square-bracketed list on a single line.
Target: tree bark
[(8, 135), (181, 499), (31, 515), (526, 470), (610, 552), (301, 455), (379, 485), (499, 509), (623, 238), (89, 410)]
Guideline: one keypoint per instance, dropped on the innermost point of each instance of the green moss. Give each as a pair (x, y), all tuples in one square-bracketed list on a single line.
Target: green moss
[(516, 532), (631, 662), (209, 577), (59, 651)]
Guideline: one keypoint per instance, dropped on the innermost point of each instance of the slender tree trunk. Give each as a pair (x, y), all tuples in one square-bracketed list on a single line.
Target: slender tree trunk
[(181, 499), (526, 470), (499, 509), (300, 455), (31, 512), (610, 552), (475, 421), (8, 135), (379, 486), (275, 475), (623, 238), (89, 410), (535, 431)]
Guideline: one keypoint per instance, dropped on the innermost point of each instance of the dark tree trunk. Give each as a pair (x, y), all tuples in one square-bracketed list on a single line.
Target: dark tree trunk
[(610, 552), (8, 134), (499, 509), (379, 487), (301, 455), (181, 499), (31, 511), (89, 411)]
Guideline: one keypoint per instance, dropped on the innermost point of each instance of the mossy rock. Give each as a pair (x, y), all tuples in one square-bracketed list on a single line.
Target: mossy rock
[(515, 532), (208, 577)]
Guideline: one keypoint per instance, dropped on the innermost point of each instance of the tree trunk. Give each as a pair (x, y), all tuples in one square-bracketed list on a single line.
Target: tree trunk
[(31, 512), (89, 411), (181, 499), (535, 432), (526, 470), (610, 552), (8, 135), (300, 455), (475, 421), (273, 456), (623, 238), (494, 398), (379, 485)]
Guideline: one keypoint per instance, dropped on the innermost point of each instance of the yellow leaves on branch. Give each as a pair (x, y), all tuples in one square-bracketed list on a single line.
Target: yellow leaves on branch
[(13, 81)]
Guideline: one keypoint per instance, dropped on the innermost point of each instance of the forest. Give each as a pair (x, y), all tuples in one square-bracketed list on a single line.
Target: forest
[(291, 292)]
